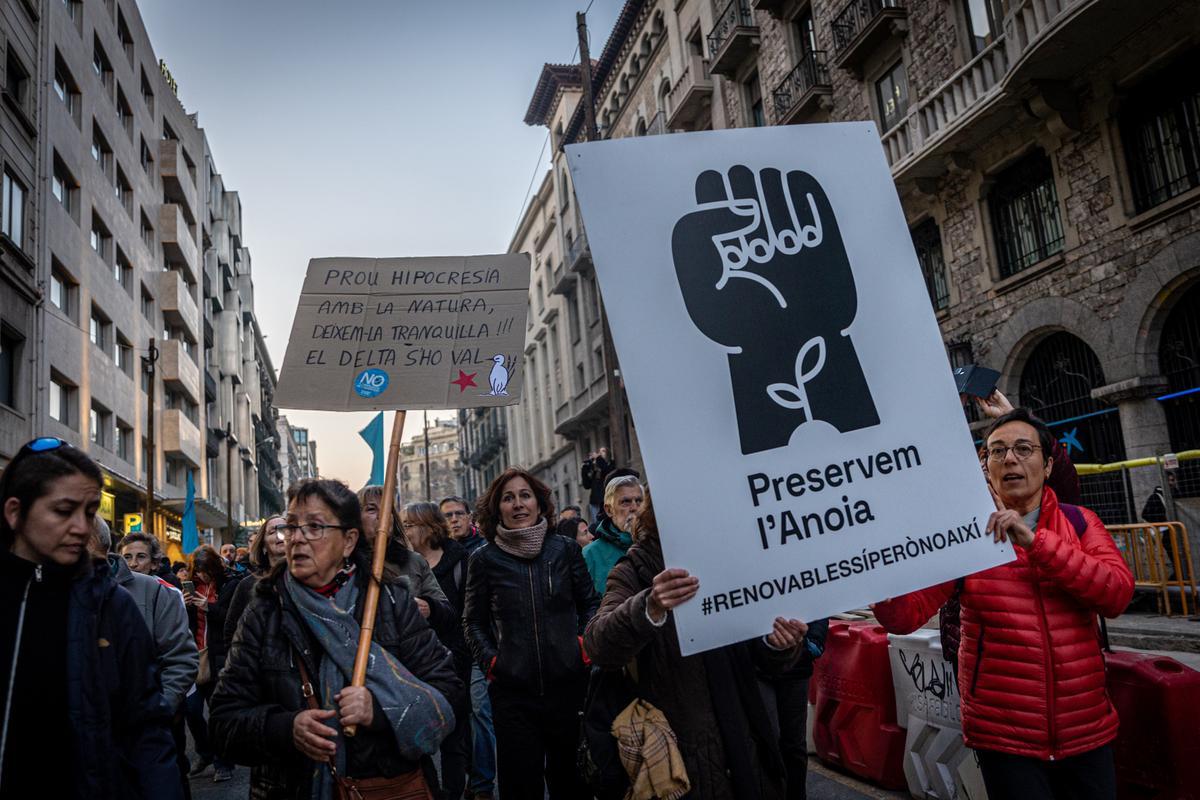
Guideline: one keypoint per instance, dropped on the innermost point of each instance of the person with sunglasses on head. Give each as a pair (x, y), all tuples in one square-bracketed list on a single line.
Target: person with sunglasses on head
[(1030, 671), (76, 659), (284, 696)]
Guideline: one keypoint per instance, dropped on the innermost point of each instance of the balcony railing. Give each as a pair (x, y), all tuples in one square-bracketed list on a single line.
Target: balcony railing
[(860, 25), (578, 253), (809, 77), (733, 37), (691, 96)]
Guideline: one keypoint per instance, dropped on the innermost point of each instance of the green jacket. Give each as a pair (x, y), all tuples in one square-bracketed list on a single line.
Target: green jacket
[(600, 556)]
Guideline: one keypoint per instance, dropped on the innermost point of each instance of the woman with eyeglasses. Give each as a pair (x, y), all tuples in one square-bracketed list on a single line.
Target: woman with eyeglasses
[(76, 660), (1031, 673), (283, 700), (529, 598)]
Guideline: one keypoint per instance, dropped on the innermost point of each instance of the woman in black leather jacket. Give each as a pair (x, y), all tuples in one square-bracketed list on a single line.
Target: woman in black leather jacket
[(529, 598), (307, 611)]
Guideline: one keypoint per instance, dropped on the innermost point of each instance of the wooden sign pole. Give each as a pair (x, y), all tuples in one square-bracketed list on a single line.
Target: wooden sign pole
[(371, 605)]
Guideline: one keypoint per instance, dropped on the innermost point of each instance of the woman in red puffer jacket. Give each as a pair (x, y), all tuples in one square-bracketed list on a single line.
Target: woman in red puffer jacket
[(1031, 674)]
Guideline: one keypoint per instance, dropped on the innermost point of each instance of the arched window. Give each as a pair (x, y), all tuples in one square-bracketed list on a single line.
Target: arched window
[(1179, 362), (664, 97), (640, 128), (1056, 385)]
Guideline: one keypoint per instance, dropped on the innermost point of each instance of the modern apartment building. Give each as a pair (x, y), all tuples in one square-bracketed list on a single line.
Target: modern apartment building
[(297, 453), (122, 212), (441, 464), (1045, 153)]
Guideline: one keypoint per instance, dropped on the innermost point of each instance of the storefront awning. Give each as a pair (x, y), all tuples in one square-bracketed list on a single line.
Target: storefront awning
[(208, 514)]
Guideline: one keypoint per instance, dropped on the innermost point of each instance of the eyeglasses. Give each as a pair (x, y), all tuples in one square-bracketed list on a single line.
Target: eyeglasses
[(312, 532), (449, 514), (1022, 450)]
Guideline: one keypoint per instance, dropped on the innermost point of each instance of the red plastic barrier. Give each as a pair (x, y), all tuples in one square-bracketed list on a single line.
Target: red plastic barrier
[(1158, 749), (855, 727)]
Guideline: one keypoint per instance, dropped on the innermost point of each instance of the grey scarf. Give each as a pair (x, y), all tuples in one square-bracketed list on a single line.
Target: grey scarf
[(522, 542), (419, 715)]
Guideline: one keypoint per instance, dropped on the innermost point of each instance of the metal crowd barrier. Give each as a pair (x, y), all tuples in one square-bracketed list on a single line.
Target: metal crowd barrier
[(1159, 556)]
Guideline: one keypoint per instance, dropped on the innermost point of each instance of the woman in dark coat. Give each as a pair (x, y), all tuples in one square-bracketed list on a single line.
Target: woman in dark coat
[(712, 700), (529, 597), (81, 709), (302, 628), (429, 535)]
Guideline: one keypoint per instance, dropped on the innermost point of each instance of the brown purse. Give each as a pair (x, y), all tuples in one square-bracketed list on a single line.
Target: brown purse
[(409, 786)]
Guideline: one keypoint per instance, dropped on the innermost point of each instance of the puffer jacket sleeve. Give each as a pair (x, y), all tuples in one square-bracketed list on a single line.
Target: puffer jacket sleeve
[(423, 654), (906, 613), (477, 612), (177, 655), (620, 628), (141, 716), (247, 726), (1093, 572), (587, 601)]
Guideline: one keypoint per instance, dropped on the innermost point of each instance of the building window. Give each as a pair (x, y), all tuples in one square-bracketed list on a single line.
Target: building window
[(62, 290), (123, 192), (100, 239), (13, 209), (891, 92), (99, 329), (147, 92), (757, 116), (927, 240), (100, 64), (124, 114), (10, 363), (147, 231), (983, 20), (123, 355), (960, 355), (66, 88), (806, 32), (124, 441), (1025, 220), (124, 35), (147, 304), (64, 186), (16, 80), (123, 271), (101, 152), (1160, 127), (62, 396), (146, 157), (100, 425)]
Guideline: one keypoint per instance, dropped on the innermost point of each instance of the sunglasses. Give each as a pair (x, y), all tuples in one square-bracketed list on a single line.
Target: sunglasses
[(44, 444)]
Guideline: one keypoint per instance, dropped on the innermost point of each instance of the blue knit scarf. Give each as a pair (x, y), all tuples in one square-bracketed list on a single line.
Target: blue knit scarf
[(419, 715)]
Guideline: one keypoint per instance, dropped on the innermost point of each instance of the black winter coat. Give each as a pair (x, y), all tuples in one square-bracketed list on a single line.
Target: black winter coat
[(258, 694), (528, 615), (88, 717)]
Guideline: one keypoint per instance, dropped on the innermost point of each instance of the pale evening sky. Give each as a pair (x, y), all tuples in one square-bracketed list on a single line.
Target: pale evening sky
[(365, 128)]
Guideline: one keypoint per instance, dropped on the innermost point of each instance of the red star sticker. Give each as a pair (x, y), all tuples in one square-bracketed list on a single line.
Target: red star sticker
[(464, 380)]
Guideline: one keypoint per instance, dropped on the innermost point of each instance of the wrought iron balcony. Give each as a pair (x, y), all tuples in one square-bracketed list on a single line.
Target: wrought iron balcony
[(803, 89), (772, 7), (862, 25), (733, 38), (691, 97), (561, 280)]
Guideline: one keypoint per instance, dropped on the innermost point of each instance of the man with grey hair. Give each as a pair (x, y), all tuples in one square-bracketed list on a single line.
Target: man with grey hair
[(165, 615), (614, 530)]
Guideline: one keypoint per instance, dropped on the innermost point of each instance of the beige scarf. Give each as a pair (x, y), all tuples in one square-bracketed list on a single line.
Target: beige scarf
[(522, 542)]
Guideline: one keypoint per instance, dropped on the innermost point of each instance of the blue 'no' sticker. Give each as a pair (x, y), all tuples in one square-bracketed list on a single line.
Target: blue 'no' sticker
[(370, 382)]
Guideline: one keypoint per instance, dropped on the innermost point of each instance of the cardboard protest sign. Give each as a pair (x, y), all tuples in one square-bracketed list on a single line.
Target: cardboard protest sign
[(407, 333), (802, 436)]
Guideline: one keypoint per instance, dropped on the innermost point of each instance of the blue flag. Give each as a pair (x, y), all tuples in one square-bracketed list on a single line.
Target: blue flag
[(191, 534), (373, 436)]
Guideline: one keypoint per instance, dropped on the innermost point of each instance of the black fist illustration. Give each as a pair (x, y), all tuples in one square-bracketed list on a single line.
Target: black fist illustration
[(764, 272)]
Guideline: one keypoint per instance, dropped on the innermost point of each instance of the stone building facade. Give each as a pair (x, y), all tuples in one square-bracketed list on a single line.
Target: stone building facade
[(443, 465), (1046, 154), (125, 239)]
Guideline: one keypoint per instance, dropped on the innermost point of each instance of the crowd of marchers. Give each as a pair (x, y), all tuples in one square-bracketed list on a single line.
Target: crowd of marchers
[(514, 650)]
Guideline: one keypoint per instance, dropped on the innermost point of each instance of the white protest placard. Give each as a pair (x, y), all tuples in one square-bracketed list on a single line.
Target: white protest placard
[(407, 333), (800, 427)]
